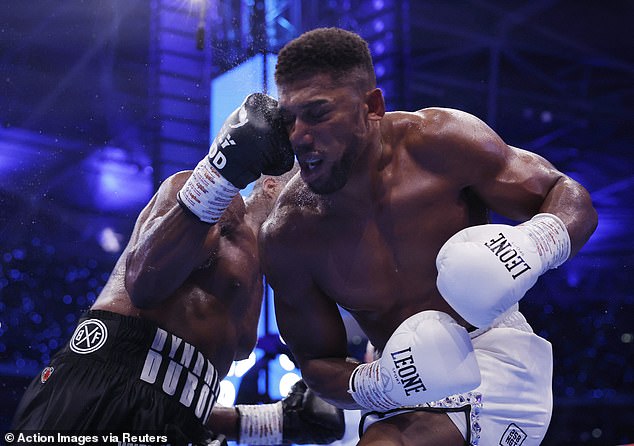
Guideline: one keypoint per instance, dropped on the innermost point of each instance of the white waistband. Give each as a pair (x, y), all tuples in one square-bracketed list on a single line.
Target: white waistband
[(511, 318)]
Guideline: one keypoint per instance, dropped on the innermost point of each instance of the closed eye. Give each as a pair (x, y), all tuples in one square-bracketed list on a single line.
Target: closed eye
[(316, 115)]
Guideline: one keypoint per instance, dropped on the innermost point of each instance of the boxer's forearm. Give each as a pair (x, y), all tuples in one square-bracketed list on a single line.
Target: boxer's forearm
[(167, 251), (224, 420), (329, 379), (572, 203)]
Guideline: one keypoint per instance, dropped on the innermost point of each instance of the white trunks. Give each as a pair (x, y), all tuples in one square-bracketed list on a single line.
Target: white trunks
[(513, 404)]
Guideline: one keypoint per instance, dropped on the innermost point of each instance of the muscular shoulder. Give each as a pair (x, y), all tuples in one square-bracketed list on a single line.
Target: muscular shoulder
[(443, 129), (288, 232), (447, 140), (295, 207)]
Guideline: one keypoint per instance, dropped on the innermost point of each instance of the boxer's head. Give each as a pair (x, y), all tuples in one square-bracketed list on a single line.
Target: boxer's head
[(340, 54), (267, 188), (328, 100)]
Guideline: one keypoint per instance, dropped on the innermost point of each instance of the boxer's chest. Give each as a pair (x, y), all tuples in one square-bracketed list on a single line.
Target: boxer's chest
[(385, 258)]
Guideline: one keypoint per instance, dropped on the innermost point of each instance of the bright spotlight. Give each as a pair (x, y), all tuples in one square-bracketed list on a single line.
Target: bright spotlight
[(242, 367), (109, 240), (287, 382), (286, 362), (227, 396)]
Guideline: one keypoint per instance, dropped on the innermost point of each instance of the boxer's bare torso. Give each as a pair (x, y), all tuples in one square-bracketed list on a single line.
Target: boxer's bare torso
[(375, 256), (214, 296), (370, 245)]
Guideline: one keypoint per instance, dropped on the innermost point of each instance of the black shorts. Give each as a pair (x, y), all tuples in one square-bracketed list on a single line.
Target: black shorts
[(122, 374)]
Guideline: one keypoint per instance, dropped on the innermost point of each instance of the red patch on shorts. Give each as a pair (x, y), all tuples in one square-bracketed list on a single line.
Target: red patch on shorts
[(46, 374)]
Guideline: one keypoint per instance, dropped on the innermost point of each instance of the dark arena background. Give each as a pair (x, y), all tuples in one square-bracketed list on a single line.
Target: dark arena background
[(102, 100)]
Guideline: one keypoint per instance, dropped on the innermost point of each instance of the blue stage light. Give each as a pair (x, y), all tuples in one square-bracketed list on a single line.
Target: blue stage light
[(230, 88), (378, 48), (379, 69), (115, 181), (280, 379)]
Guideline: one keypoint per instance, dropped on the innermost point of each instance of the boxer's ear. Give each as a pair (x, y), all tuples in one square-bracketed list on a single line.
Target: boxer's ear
[(270, 187), (375, 103)]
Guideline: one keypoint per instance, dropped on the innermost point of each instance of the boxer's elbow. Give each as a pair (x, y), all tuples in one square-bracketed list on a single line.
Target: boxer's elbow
[(578, 212), (329, 388), (591, 219)]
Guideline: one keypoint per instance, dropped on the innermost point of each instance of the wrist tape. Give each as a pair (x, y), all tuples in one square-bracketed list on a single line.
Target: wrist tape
[(206, 193), (551, 237), (366, 388), (260, 424)]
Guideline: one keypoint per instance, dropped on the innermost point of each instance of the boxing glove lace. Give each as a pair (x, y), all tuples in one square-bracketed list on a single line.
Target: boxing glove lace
[(300, 418), (427, 358), (252, 141), (484, 270)]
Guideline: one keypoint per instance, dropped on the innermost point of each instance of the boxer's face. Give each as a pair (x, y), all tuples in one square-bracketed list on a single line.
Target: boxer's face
[(327, 126)]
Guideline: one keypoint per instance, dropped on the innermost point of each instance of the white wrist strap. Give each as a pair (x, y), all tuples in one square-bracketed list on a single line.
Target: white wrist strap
[(260, 424), (550, 235), (366, 388), (206, 193)]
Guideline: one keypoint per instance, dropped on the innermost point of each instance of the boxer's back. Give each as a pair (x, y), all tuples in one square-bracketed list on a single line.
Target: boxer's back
[(217, 306)]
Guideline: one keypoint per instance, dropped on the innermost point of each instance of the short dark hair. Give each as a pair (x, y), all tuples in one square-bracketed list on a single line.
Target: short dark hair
[(333, 51)]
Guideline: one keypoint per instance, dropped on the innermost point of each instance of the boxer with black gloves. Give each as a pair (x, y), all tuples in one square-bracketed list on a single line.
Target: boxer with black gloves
[(299, 418), (389, 219), (251, 142), (182, 302)]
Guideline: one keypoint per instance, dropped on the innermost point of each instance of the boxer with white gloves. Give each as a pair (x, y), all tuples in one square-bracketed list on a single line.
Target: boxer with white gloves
[(379, 195), (484, 270)]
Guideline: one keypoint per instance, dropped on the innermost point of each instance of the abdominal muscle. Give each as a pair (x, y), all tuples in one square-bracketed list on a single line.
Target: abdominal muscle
[(383, 272)]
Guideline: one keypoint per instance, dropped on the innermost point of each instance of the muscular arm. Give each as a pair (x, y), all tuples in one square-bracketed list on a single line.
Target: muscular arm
[(314, 332), (224, 420), (513, 182), (528, 184), (309, 321), (167, 245), (571, 202)]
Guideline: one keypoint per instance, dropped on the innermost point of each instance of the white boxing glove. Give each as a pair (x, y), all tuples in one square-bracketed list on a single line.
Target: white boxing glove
[(428, 357), (484, 270)]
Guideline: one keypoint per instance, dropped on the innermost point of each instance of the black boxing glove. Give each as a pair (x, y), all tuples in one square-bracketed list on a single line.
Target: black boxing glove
[(310, 420), (252, 141), (300, 418)]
